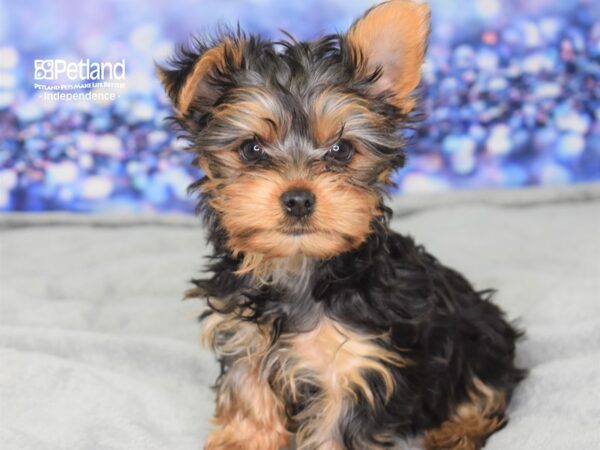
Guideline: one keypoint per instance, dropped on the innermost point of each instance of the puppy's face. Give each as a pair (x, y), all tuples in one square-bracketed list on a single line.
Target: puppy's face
[(297, 140)]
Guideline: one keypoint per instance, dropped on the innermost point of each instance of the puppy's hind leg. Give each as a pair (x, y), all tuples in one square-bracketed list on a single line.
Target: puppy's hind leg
[(472, 421)]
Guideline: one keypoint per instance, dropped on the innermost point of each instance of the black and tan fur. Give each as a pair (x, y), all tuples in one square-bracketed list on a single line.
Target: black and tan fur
[(333, 331)]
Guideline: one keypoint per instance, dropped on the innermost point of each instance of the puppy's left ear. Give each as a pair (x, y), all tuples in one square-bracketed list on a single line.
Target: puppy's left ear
[(392, 38)]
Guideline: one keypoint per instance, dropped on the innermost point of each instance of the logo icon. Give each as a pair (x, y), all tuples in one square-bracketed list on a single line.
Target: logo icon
[(44, 69)]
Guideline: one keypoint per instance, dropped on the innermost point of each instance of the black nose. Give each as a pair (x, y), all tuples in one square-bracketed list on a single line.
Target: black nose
[(298, 203)]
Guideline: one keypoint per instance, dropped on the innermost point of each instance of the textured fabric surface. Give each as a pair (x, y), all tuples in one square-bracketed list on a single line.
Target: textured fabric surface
[(97, 350)]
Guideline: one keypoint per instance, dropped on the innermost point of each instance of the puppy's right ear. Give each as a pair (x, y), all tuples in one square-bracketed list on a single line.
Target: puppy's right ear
[(196, 77)]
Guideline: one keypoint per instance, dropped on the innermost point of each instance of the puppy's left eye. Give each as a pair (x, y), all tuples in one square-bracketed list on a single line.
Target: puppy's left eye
[(251, 151), (340, 152)]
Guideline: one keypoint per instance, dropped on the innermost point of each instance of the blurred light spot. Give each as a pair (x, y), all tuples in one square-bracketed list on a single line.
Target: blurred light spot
[(96, 187), (531, 34), (157, 138), (29, 111), (499, 142), (62, 173), (550, 28), (568, 119), (6, 99), (109, 144), (8, 179), (498, 84), (9, 57), (547, 90), (488, 8), (141, 111), (489, 38), (86, 142), (570, 145), (463, 162), (7, 80), (537, 62), (86, 161), (458, 144), (464, 56), (487, 60), (179, 144)]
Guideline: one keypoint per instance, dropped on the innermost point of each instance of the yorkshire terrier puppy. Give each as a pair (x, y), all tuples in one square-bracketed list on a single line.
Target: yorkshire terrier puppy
[(333, 332)]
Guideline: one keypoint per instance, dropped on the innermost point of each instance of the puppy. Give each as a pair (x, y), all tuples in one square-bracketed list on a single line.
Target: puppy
[(333, 332)]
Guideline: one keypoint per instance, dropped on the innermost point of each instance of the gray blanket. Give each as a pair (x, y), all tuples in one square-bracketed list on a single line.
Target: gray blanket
[(97, 350)]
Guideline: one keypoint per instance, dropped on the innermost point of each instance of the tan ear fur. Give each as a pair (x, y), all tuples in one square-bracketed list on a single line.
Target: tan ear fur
[(393, 37), (196, 88)]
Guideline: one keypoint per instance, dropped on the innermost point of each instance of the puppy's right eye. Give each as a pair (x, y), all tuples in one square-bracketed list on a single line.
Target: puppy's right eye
[(251, 151)]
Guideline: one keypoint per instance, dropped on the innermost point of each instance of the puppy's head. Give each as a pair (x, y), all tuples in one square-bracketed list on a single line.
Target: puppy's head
[(298, 139)]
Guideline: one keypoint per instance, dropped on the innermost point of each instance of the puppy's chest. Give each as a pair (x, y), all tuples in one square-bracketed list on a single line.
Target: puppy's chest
[(332, 359), (327, 361), (314, 349)]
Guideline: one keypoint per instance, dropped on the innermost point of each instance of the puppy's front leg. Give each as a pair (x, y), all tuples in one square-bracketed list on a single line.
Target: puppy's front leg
[(249, 415)]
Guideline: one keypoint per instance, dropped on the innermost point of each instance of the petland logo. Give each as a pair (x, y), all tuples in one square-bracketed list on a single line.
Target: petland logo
[(61, 80), (84, 70)]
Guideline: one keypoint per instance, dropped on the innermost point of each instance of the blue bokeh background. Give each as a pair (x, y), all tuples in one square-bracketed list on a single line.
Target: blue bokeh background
[(511, 88)]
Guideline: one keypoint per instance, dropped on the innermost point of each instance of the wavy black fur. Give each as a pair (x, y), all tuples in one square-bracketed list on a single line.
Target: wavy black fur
[(450, 331)]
